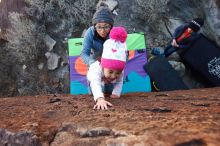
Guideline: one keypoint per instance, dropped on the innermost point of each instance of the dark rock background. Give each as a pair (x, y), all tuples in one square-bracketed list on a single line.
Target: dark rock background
[(34, 34)]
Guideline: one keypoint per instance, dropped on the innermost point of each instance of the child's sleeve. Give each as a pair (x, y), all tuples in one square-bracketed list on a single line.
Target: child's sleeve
[(94, 77), (118, 86)]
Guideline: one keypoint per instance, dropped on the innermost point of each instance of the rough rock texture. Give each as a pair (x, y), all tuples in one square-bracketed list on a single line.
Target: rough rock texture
[(180, 118), (5, 8)]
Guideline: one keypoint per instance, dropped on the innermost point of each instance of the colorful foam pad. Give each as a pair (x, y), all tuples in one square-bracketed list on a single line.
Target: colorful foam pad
[(135, 41), (134, 72)]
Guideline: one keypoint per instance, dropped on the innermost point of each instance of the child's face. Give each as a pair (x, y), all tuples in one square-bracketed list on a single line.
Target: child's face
[(111, 75)]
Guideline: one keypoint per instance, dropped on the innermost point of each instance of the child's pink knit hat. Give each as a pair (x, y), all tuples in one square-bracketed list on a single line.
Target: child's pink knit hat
[(114, 49)]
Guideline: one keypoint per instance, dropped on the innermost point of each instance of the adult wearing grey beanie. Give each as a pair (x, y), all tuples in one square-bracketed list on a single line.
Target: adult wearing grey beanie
[(96, 35)]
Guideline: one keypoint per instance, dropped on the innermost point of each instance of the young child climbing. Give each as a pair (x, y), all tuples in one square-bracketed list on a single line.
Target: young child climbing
[(105, 76)]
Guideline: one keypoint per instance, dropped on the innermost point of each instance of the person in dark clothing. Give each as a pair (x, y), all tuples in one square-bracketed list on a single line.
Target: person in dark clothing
[(183, 37)]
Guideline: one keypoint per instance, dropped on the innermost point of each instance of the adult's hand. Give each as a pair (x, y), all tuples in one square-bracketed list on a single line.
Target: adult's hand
[(174, 43)]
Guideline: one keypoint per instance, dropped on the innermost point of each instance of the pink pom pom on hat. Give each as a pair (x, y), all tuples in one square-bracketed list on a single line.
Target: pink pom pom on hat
[(114, 50), (118, 34)]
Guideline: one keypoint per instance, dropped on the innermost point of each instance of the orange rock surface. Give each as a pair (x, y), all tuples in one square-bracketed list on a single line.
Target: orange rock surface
[(177, 118)]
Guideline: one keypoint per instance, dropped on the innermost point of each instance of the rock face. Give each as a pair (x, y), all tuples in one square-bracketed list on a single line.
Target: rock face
[(180, 118), (5, 8), (29, 29), (23, 138)]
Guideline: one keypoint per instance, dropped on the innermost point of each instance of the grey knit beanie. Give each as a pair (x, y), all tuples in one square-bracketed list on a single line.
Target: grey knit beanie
[(103, 14)]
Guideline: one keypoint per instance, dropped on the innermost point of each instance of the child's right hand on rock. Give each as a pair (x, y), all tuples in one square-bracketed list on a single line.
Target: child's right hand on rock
[(102, 104)]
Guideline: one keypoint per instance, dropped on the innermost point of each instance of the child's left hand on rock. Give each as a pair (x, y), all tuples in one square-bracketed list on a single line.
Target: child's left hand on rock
[(114, 96)]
